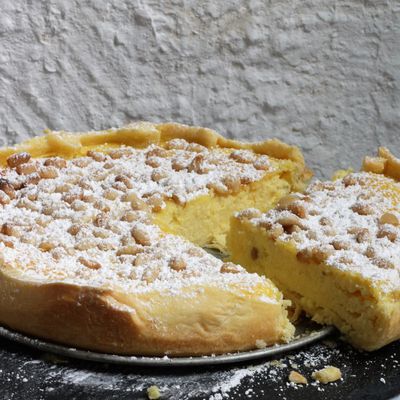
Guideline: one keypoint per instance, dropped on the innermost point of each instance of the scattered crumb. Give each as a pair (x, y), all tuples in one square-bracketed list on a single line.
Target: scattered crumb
[(153, 392), (260, 344), (268, 379), (297, 378), (327, 374), (276, 363)]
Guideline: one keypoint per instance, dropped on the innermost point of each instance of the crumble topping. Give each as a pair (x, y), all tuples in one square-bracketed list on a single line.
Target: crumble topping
[(88, 220), (352, 224)]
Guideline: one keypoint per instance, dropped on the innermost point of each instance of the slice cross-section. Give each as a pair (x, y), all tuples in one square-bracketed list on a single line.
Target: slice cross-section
[(334, 250)]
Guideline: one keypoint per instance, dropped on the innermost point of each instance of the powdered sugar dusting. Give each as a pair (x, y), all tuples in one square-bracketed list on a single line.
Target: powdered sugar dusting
[(218, 385), (42, 376), (88, 220), (352, 224)]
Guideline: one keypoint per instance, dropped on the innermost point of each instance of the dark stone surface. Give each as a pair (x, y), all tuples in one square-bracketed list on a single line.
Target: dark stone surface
[(30, 374)]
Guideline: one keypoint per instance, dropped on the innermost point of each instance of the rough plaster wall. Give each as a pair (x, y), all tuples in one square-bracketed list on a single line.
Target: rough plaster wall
[(321, 74)]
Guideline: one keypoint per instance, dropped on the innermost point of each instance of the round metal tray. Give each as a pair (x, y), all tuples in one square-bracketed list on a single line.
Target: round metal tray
[(306, 333)]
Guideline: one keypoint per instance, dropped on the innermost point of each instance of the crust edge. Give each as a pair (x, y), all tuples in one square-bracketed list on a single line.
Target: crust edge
[(142, 134), (119, 323), (385, 163)]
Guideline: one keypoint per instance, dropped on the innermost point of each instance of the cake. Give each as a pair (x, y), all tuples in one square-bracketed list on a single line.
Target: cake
[(334, 250), (101, 233)]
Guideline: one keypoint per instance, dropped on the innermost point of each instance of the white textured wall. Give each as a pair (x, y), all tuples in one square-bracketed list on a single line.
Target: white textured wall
[(321, 74)]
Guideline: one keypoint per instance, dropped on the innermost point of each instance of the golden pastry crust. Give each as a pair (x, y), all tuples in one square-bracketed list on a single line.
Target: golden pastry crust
[(384, 163), (153, 324), (92, 271), (143, 134)]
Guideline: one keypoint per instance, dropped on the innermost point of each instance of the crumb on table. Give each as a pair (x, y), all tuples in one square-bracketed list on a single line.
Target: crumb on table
[(153, 392), (327, 374), (297, 378)]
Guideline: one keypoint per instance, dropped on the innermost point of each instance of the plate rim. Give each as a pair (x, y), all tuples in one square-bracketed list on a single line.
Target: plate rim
[(147, 361)]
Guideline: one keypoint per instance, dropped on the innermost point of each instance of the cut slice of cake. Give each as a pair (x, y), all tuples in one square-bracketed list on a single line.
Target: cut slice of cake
[(87, 254), (334, 250)]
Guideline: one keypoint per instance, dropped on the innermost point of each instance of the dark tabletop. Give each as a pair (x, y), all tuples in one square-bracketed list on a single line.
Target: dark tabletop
[(27, 373)]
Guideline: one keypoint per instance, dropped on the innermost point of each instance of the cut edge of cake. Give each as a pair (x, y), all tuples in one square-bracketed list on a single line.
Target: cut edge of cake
[(363, 300), (142, 134)]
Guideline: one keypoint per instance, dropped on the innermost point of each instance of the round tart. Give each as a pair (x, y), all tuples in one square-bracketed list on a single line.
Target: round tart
[(100, 236)]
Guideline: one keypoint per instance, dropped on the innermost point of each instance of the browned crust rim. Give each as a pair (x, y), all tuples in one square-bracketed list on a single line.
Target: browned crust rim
[(142, 134), (120, 323), (385, 163)]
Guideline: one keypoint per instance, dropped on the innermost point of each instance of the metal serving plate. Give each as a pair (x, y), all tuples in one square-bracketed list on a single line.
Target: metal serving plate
[(306, 333)]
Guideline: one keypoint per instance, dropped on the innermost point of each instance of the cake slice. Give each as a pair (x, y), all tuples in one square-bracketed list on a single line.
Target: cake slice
[(96, 233), (334, 250)]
